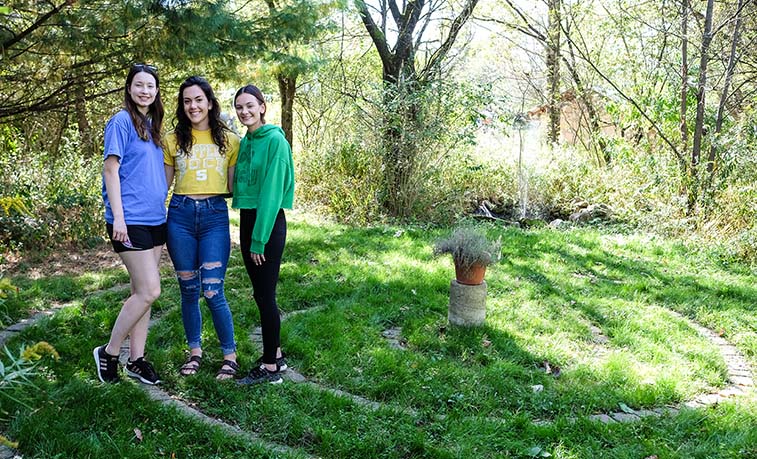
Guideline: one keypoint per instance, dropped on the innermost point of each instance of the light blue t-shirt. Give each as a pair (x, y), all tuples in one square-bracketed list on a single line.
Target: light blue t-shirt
[(143, 179)]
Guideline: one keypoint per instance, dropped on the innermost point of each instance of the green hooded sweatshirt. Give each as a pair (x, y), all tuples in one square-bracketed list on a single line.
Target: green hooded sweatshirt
[(264, 179)]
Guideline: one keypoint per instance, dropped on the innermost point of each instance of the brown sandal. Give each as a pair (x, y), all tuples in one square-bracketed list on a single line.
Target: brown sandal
[(227, 373), (191, 366)]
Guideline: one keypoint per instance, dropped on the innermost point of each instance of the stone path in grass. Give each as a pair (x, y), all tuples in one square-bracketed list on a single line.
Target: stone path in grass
[(740, 380), (159, 395), (154, 392), (739, 371), (23, 324), (739, 374)]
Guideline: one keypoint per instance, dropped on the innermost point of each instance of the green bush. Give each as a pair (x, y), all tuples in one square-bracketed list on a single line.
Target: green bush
[(343, 181), (59, 193)]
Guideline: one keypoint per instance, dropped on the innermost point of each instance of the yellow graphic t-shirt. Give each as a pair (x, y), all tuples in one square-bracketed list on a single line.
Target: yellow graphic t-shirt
[(205, 171)]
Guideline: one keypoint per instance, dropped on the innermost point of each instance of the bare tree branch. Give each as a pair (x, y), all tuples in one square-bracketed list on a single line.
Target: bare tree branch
[(442, 51)]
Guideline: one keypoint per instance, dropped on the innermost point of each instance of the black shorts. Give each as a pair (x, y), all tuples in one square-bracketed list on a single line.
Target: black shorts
[(141, 237)]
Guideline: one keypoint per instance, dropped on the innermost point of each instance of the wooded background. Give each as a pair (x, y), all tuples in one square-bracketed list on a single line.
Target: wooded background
[(422, 110)]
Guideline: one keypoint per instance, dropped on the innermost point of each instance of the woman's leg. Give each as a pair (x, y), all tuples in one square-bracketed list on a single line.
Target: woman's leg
[(138, 335), (264, 278), (135, 312), (215, 247), (183, 247)]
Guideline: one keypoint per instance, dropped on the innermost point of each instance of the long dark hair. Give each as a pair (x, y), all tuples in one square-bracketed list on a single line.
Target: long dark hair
[(256, 93), (153, 121), (183, 128)]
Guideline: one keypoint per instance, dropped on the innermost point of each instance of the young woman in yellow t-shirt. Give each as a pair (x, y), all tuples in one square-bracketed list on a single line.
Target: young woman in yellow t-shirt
[(201, 155)]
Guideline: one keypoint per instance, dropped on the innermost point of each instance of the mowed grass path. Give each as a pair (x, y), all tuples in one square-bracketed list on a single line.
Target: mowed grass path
[(593, 303)]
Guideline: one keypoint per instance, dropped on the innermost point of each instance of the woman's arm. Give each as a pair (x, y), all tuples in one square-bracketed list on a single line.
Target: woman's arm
[(275, 178), (169, 170), (113, 188), (230, 179)]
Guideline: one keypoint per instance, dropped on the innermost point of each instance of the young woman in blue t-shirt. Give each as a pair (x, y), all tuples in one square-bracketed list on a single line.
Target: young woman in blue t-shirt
[(134, 192)]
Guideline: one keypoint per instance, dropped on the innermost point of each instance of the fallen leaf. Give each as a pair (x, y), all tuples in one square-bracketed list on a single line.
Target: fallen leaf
[(138, 434), (537, 451), (626, 409)]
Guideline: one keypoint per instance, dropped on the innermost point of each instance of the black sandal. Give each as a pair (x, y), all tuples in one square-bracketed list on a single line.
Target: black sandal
[(227, 373), (189, 368)]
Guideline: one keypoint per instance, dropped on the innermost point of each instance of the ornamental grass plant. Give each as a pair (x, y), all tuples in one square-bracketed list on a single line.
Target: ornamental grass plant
[(469, 245)]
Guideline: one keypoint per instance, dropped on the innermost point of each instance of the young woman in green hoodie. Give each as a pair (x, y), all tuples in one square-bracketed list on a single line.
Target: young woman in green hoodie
[(263, 188)]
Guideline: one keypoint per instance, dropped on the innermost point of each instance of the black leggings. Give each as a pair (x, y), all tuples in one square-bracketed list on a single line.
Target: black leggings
[(264, 277)]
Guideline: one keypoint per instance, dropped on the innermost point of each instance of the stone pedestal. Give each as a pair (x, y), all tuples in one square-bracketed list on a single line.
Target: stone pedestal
[(467, 304)]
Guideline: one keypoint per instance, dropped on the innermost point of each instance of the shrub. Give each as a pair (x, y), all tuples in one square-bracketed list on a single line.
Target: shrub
[(51, 198), (343, 181)]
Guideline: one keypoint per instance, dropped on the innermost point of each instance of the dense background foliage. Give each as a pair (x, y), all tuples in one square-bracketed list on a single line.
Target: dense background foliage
[(653, 104)]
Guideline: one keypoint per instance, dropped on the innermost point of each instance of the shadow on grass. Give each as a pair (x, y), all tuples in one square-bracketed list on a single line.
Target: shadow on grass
[(373, 280), (358, 283)]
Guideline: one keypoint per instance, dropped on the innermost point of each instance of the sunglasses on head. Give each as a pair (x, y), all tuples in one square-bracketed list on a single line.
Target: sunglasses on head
[(143, 67)]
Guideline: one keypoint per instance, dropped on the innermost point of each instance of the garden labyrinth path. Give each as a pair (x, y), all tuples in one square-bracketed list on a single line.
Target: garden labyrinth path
[(23, 324), (154, 392), (739, 374), (738, 369)]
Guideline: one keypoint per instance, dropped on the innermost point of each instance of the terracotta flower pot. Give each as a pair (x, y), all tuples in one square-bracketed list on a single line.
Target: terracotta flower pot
[(472, 276)]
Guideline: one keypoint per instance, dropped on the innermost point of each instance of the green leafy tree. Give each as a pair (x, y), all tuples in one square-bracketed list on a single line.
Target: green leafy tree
[(292, 56), (402, 36)]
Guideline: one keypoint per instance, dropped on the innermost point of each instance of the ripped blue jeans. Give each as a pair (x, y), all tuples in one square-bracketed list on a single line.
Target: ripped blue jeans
[(199, 245)]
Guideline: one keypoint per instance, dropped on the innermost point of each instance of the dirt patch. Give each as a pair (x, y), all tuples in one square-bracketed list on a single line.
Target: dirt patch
[(68, 261), (60, 261)]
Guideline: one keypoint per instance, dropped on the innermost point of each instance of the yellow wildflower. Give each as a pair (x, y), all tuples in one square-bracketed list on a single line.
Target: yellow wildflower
[(39, 350), (10, 444)]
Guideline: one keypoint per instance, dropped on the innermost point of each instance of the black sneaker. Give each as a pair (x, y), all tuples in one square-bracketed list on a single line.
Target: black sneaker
[(142, 370), (107, 365), (281, 362), (261, 375)]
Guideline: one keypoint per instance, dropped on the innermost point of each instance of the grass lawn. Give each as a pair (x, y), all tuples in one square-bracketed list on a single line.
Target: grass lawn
[(608, 309)]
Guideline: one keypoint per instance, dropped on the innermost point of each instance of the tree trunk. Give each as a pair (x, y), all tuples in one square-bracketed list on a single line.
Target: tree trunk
[(726, 87), (400, 152), (287, 90), (701, 92), (553, 70), (85, 131), (684, 73), (585, 95), (403, 84)]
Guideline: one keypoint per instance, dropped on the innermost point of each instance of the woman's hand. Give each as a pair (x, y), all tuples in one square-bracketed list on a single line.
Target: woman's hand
[(120, 233), (258, 258)]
